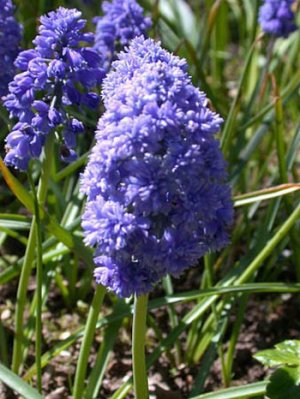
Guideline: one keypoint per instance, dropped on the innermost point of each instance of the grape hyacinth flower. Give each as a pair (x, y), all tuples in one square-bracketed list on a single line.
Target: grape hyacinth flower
[(56, 76), (277, 18), (122, 21), (10, 37), (157, 198)]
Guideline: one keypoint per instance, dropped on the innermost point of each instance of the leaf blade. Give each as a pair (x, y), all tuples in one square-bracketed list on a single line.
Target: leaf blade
[(17, 384)]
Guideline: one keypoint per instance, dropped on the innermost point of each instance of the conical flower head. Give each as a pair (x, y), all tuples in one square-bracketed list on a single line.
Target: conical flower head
[(156, 179)]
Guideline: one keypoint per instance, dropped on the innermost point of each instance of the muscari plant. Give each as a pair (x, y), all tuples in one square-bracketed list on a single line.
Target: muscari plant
[(40, 99), (41, 95), (156, 181), (57, 77)]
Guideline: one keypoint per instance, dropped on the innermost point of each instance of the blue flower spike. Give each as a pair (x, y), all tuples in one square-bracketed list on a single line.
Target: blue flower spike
[(157, 197), (56, 75)]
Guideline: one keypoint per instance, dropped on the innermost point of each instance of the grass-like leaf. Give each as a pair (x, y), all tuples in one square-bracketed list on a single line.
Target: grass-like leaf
[(243, 392), (17, 384)]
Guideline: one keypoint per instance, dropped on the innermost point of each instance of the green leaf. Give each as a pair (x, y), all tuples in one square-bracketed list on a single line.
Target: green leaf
[(273, 358), (157, 303), (243, 392), (16, 187), (71, 168), (104, 353), (290, 346), (17, 384), (284, 383), (12, 221), (285, 353), (265, 194), (179, 12), (64, 236)]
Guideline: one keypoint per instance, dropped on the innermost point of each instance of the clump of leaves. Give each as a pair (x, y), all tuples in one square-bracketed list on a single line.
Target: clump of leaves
[(285, 381)]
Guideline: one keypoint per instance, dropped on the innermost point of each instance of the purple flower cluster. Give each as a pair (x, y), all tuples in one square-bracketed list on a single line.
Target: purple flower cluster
[(10, 37), (57, 74), (122, 21), (277, 18), (157, 198)]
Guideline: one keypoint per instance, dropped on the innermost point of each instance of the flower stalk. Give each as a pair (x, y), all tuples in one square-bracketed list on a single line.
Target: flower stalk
[(29, 259), (39, 284), (140, 379)]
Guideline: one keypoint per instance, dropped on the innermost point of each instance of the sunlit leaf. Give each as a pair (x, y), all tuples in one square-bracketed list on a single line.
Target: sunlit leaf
[(285, 353)]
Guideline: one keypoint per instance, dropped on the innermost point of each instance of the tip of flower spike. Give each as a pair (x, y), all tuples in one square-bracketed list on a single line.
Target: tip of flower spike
[(69, 15), (123, 20), (141, 51), (60, 29)]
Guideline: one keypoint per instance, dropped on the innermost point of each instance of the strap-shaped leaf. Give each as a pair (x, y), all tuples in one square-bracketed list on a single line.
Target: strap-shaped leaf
[(243, 392), (17, 384), (16, 187)]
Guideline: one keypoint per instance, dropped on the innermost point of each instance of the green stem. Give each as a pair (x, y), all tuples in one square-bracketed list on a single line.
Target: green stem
[(279, 139), (264, 74), (3, 346), (29, 259), (21, 298), (39, 283), (87, 342), (140, 380), (168, 287), (234, 338), (46, 170), (210, 282)]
